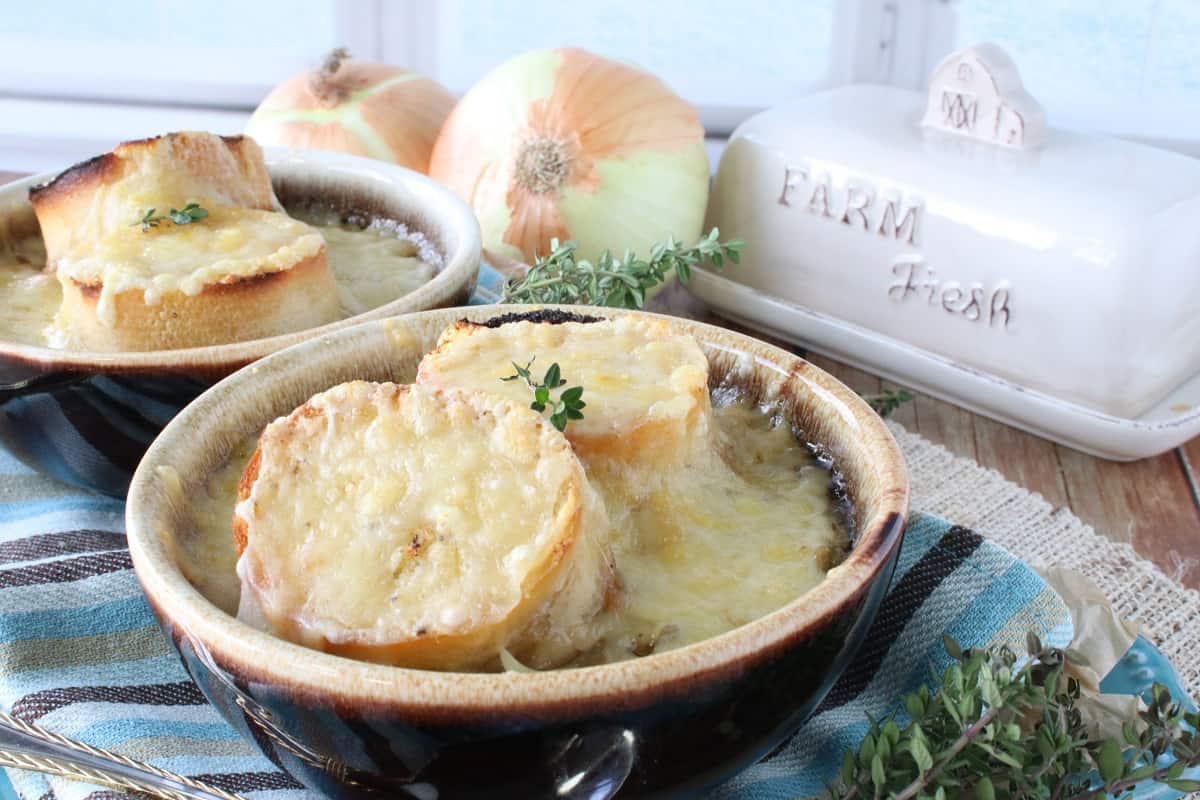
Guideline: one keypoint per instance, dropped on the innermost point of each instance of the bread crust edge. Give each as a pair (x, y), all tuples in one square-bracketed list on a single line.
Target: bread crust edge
[(266, 304)]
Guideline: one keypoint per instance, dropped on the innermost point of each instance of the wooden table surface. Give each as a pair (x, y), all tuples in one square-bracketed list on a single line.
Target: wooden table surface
[(1154, 504)]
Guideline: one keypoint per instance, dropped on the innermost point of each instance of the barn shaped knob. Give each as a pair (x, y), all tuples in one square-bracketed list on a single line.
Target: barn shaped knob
[(977, 93)]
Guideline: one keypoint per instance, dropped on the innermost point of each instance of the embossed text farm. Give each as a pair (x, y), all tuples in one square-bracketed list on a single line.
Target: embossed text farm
[(861, 206)]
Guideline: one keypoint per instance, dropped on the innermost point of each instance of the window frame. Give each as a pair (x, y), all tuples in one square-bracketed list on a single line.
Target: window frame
[(354, 20), (408, 34)]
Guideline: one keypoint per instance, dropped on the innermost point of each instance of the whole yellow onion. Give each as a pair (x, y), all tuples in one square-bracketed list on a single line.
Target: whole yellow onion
[(570, 145), (357, 107)]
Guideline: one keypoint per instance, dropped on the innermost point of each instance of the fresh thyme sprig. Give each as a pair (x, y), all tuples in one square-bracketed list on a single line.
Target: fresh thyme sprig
[(569, 404), (180, 216), (885, 403), (993, 729), (622, 283)]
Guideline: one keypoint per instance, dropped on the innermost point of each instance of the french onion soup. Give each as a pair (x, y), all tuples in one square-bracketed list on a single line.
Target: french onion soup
[(180, 241), (542, 496)]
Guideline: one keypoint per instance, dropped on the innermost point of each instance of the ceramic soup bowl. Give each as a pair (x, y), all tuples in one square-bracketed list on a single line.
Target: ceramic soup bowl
[(87, 417), (666, 724)]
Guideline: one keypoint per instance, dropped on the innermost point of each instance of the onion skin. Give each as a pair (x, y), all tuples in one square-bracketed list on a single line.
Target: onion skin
[(363, 108), (570, 145)]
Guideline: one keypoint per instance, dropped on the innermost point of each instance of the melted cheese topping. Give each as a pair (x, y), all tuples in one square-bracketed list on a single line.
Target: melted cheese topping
[(230, 243), (646, 389), (371, 267), (676, 486), (385, 517), (159, 173), (29, 295), (725, 541), (719, 542)]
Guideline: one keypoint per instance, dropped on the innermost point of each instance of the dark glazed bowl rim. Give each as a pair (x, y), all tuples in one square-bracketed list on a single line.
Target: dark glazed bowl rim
[(450, 221), (874, 470)]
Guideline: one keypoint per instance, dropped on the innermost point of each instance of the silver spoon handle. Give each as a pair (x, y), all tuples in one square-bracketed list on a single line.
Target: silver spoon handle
[(26, 746)]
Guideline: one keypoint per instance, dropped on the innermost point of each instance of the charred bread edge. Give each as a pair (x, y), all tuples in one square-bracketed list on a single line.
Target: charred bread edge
[(100, 165), (546, 316)]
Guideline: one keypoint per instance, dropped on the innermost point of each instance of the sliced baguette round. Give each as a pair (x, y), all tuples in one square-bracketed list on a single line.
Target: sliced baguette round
[(422, 528), (241, 274), (96, 197), (646, 388)]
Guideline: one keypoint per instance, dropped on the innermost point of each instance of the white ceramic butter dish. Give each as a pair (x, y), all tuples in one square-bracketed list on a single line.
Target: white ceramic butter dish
[(954, 243)]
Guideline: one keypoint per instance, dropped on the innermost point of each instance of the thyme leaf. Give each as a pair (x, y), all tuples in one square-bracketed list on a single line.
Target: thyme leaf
[(569, 405), (190, 213)]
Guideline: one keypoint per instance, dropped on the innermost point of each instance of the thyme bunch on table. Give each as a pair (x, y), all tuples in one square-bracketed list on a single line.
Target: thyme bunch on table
[(998, 728), (561, 277), (886, 402)]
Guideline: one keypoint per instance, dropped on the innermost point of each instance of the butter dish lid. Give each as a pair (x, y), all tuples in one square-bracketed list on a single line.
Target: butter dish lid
[(962, 143), (959, 227)]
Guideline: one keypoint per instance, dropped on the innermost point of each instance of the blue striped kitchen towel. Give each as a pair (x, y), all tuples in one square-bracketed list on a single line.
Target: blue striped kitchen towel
[(80, 653)]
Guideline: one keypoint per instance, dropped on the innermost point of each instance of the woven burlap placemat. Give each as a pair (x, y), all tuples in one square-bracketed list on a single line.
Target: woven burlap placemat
[(1036, 532)]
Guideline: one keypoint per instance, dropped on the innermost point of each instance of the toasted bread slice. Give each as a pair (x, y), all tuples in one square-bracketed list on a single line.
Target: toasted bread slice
[(421, 528), (646, 388), (244, 271), (238, 274), (104, 194)]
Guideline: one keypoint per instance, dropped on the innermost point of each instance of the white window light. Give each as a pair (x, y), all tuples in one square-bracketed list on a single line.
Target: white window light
[(75, 78)]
